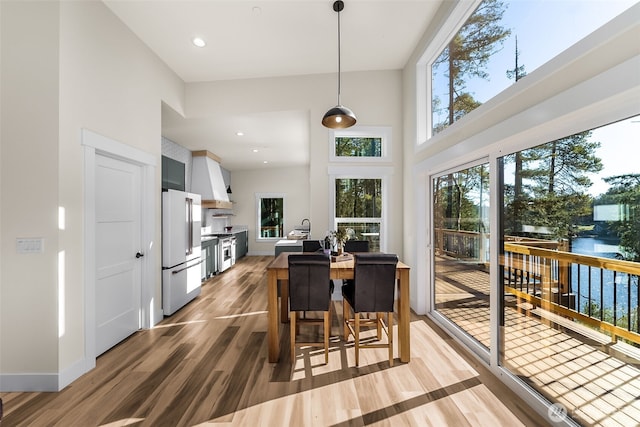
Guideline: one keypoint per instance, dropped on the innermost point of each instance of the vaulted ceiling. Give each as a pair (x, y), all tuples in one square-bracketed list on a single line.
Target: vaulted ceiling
[(265, 38)]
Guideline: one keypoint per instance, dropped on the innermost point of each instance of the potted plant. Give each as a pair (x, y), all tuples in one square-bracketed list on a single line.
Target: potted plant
[(337, 238)]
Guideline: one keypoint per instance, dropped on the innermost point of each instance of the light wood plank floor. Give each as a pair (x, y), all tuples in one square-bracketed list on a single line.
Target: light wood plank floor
[(207, 365)]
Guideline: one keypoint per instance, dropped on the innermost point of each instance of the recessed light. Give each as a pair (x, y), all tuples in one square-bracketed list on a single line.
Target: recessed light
[(239, 133), (265, 162), (255, 150), (256, 10), (199, 42)]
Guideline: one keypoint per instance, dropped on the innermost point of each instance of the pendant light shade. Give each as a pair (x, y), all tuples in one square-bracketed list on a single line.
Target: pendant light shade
[(339, 117)]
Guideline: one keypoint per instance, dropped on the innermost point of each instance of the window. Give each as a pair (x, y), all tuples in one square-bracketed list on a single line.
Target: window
[(496, 46), (359, 203), (359, 209), (360, 144), (570, 268), (270, 216), (461, 250)]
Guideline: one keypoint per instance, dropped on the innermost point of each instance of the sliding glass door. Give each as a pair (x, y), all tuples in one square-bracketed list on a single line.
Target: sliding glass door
[(461, 249)]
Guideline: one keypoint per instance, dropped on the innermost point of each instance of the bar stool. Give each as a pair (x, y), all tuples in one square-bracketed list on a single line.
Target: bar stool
[(309, 290), (372, 291)]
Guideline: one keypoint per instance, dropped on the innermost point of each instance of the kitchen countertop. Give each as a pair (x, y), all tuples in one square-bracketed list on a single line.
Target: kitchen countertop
[(289, 242)]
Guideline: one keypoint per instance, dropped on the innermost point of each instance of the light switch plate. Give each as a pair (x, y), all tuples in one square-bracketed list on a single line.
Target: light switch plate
[(30, 245)]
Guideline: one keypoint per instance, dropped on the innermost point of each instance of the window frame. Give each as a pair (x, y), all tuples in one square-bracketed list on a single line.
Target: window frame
[(383, 132), (424, 114), (259, 197), (362, 172)]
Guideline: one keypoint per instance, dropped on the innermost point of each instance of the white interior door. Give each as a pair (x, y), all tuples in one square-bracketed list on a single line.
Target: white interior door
[(118, 240)]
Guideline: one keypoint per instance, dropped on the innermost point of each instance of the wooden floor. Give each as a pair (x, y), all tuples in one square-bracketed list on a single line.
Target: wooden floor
[(207, 365), (598, 382)]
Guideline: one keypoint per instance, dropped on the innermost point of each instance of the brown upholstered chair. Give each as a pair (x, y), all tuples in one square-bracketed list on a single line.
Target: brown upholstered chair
[(309, 290), (311, 246), (372, 291), (316, 246), (353, 246)]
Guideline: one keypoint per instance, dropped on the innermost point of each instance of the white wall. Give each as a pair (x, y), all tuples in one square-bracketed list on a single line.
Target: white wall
[(70, 65), (374, 96), (292, 181), (29, 193)]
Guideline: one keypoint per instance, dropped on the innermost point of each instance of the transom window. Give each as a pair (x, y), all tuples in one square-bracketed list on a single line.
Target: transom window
[(360, 144), (499, 44)]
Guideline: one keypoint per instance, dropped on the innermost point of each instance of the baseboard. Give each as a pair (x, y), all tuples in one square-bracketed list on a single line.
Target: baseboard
[(260, 253), (24, 382), (28, 382), (75, 371)]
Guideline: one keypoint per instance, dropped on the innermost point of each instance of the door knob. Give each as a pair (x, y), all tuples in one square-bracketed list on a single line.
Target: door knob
[(139, 255)]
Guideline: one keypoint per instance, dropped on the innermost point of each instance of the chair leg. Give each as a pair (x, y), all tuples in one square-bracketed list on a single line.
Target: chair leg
[(327, 332), (390, 329), (379, 325), (292, 326), (345, 318), (357, 337)]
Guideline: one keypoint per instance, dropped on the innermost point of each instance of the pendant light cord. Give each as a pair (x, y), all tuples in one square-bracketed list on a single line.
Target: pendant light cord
[(339, 57)]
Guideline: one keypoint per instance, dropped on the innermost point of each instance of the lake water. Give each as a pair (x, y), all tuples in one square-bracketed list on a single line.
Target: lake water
[(610, 282)]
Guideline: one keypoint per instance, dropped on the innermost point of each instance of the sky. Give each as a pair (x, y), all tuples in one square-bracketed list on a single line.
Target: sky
[(544, 29), (619, 154)]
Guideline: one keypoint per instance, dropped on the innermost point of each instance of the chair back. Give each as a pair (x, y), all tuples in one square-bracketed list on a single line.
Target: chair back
[(309, 282), (374, 282), (311, 245), (353, 246)]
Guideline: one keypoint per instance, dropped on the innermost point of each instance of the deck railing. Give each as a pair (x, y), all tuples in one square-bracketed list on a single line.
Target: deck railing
[(556, 280), (602, 293)]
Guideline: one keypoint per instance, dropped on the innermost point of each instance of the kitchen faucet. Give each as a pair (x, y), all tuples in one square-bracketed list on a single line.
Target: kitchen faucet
[(302, 223)]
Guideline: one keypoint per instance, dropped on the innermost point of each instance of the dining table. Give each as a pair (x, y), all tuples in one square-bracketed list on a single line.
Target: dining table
[(278, 270)]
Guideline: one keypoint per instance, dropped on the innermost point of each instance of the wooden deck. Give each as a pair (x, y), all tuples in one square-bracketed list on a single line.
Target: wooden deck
[(567, 363)]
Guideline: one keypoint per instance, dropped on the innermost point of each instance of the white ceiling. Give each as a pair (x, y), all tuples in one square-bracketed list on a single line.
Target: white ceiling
[(268, 38)]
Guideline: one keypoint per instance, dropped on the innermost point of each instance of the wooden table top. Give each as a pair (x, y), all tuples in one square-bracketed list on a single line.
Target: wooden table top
[(281, 262)]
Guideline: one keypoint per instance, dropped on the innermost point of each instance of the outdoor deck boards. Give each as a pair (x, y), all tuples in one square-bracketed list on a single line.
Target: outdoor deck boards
[(563, 365)]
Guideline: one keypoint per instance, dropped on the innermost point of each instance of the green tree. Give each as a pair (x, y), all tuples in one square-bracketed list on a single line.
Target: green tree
[(560, 167), (625, 192), (553, 182), (458, 199), (358, 198), (519, 205), (467, 55), (358, 147)]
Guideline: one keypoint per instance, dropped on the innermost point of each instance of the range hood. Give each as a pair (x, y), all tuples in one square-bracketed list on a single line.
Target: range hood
[(206, 180)]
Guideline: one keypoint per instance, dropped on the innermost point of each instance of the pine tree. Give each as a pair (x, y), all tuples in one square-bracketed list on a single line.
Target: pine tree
[(467, 55)]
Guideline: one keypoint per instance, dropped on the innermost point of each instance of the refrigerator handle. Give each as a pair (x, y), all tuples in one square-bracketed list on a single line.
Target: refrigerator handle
[(189, 225)]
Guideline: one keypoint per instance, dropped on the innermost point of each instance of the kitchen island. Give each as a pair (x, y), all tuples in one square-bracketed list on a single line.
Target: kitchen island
[(288, 245)]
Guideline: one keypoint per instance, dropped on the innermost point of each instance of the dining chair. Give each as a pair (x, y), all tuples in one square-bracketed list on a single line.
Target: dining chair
[(372, 291), (317, 247), (353, 246), (309, 290), (311, 245)]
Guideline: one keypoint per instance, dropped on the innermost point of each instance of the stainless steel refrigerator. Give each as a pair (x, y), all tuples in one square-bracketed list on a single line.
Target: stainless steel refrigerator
[(181, 218)]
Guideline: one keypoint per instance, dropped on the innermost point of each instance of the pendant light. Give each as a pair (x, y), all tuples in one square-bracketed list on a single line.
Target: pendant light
[(339, 117)]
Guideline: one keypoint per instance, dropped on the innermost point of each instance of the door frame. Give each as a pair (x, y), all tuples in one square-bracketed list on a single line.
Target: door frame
[(95, 144)]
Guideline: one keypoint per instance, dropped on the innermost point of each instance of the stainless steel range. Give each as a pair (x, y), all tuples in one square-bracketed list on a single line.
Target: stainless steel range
[(226, 251)]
